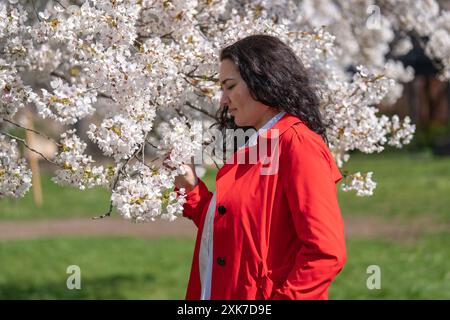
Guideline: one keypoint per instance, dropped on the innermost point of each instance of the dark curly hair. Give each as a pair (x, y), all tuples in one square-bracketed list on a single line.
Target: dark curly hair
[(275, 77)]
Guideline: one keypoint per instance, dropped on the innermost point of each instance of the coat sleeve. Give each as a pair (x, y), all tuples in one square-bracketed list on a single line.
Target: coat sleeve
[(196, 200), (310, 186)]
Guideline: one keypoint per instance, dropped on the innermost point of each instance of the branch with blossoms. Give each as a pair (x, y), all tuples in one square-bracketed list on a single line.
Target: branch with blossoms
[(117, 177), (145, 72), (31, 130), (27, 146)]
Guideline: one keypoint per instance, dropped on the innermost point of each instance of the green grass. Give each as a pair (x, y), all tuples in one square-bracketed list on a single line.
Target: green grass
[(409, 186), (413, 270), (126, 268), (64, 202), (58, 203), (111, 268)]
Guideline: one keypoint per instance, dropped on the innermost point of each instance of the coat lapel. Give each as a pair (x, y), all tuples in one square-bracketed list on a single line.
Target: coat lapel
[(226, 176)]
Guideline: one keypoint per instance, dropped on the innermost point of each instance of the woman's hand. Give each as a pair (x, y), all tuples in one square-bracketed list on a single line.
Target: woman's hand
[(189, 180)]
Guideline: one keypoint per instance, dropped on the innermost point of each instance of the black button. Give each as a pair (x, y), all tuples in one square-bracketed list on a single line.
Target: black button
[(221, 209), (221, 261)]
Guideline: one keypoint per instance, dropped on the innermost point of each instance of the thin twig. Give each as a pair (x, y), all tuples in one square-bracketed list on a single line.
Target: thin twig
[(104, 95), (192, 71), (60, 75), (141, 161), (60, 4), (143, 151), (107, 214), (28, 147), (32, 130), (217, 166), (168, 36), (181, 114), (143, 147), (99, 94), (116, 180), (202, 77), (35, 11), (94, 88), (152, 145), (199, 109), (153, 160)]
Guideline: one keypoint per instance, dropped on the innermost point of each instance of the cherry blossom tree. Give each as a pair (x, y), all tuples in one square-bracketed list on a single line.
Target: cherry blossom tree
[(134, 62)]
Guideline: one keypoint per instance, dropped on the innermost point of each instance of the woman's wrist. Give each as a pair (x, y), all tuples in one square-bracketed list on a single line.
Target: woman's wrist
[(190, 186)]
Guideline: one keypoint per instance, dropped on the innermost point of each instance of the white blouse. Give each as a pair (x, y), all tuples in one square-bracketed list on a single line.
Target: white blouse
[(206, 245)]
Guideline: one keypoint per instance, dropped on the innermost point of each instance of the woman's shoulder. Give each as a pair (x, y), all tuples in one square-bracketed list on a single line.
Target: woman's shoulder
[(300, 135), (301, 145)]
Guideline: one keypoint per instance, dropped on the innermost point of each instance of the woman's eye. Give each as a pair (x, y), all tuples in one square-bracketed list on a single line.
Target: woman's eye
[(231, 87)]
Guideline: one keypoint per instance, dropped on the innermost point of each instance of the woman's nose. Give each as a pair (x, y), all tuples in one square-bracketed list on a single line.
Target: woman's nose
[(224, 100)]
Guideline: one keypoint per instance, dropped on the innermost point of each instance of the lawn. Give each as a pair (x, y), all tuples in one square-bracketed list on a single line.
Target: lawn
[(127, 268), (59, 203), (418, 269), (409, 186), (111, 268)]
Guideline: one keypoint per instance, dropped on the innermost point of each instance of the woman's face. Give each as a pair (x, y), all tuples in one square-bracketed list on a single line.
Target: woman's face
[(236, 95)]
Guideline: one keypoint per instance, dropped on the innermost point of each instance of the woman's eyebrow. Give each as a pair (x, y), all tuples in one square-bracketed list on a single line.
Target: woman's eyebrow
[(223, 82)]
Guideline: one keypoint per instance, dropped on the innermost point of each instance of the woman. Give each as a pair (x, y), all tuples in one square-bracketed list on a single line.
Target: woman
[(272, 233)]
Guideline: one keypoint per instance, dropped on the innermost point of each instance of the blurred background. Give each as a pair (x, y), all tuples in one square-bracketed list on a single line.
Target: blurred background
[(404, 228)]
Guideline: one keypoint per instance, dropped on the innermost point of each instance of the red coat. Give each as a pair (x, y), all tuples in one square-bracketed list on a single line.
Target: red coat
[(276, 236)]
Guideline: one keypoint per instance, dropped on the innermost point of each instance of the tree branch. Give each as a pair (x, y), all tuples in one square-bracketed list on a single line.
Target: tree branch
[(116, 180), (60, 4), (60, 75), (199, 109), (32, 130), (35, 11), (28, 147), (99, 94)]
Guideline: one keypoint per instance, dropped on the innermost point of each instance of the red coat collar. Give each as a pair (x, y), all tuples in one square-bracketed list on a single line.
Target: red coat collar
[(281, 125), (285, 123)]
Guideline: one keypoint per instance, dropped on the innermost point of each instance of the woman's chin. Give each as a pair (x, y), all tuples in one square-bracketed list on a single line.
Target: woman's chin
[(237, 122), (240, 123)]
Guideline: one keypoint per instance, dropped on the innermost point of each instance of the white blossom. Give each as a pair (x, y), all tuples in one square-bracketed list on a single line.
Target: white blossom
[(141, 65), (362, 183), (402, 47), (400, 133), (67, 104), (145, 195), (15, 176), (118, 136), (182, 141), (76, 168)]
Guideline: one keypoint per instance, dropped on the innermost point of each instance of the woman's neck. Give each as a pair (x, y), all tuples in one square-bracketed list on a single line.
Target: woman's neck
[(266, 117)]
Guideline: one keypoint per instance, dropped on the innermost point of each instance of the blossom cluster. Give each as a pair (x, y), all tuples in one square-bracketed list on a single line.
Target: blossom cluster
[(362, 183), (138, 200), (76, 168), (148, 69), (15, 176)]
